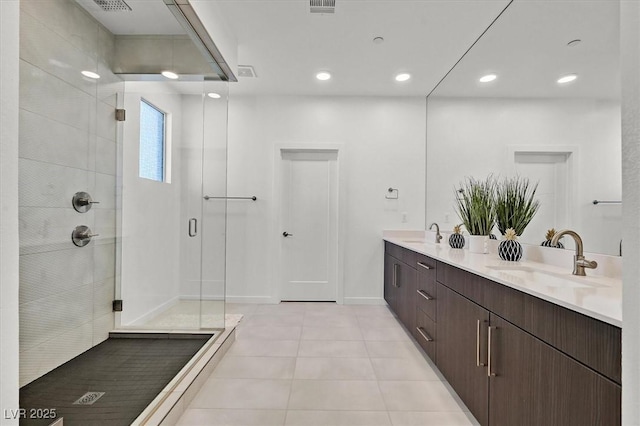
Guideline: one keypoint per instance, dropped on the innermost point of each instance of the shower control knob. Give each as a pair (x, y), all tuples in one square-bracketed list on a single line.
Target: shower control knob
[(82, 202), (81, 235), (286, 234)]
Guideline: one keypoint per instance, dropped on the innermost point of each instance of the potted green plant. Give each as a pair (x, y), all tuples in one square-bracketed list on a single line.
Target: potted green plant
[(515, 204), (476, 209)]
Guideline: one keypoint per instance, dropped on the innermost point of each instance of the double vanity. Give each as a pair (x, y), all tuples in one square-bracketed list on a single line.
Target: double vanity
[(522, 343)]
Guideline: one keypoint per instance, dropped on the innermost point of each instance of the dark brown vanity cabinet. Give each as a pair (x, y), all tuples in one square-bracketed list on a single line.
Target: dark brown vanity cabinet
[(508, 355), (400, 286), (461, 350), (512, 358)]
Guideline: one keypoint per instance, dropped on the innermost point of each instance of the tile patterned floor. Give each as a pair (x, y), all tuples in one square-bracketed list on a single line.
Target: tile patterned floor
[(298, 364)]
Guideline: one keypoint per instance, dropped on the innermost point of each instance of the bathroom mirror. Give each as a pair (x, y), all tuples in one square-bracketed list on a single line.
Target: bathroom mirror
[(566, 136)]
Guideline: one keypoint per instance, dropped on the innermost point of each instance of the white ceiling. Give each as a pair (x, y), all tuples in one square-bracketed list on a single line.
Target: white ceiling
[(527, 49), (287, 45)]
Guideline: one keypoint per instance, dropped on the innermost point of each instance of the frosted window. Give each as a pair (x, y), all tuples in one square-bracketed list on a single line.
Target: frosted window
[(152, 142)]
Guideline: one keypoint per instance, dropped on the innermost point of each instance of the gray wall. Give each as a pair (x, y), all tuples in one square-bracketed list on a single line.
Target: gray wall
[(630, 67), (9, 19), (67, 144)]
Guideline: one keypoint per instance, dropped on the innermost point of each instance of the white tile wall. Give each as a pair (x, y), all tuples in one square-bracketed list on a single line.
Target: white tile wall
[(47, 140), (46, 274), (67, 143)]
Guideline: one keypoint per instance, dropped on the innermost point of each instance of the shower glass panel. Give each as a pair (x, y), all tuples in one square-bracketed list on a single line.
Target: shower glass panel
[(172, 253)]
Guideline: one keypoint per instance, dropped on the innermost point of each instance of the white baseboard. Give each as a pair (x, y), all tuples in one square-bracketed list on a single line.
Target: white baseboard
[(143, 319), (266, 300), (364, 301), (198, 297)]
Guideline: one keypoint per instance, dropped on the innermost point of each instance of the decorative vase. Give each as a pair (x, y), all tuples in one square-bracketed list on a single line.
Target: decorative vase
[(547, 242), (510, 249), (478, 244), (456, 240)]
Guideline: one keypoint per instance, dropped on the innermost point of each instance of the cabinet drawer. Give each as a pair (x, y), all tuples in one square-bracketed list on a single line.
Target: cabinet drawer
[(425, 333), (405, 255), (426, 265), (426, 297), (465, 283)]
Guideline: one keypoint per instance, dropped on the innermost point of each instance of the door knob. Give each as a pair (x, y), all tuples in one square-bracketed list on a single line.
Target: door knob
[(286, 234)]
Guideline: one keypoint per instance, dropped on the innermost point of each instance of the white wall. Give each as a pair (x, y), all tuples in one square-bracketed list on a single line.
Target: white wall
[(9, 33), (150, 213), (469, 137), (383, 141), (630, 66)]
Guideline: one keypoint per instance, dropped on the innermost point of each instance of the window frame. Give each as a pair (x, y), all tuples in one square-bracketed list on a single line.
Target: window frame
[(165, 142)]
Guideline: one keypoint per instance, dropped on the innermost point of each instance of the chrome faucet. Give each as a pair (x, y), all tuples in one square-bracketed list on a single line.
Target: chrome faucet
[(579, 262), (438, 236)]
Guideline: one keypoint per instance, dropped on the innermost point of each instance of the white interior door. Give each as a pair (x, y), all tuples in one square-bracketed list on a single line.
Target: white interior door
[(309, 234), (551, 171)]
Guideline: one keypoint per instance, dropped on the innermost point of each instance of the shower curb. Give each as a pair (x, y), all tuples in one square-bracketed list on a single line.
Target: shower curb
[(167, 408)]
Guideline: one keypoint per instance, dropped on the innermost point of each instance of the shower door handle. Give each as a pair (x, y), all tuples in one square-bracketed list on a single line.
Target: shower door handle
[(193, 227)]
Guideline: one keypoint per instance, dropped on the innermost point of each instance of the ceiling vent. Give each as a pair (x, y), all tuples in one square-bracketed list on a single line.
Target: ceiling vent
[(322, 6), (246, 71), (113, 5)]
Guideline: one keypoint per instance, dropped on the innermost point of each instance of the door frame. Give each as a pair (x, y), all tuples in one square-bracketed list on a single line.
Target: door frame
[(276, 208), (573, 161)]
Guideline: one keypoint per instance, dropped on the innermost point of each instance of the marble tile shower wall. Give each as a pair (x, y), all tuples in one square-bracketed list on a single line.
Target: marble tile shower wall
[(67, 144)]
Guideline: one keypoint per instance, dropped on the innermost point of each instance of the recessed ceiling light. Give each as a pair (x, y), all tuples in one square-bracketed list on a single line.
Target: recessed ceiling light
[(323, 76), (170, 74), (487, 78), (567, 78), (213, 95), (403, 77), (91, 74)]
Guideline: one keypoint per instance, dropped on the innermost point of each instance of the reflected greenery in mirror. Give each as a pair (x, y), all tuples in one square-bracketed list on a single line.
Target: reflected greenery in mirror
[(516, 204)]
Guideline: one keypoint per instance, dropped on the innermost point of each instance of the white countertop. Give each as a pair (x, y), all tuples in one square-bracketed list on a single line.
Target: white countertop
[(595, 296)]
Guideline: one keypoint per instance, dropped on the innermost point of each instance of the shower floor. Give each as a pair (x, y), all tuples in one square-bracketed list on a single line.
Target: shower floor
[(130, 371)]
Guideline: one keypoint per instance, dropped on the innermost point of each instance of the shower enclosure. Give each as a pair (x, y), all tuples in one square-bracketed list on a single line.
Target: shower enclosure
[(173, 207)]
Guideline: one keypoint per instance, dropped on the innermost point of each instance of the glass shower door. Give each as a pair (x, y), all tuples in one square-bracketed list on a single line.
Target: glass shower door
[(164, 222), (214, 206)]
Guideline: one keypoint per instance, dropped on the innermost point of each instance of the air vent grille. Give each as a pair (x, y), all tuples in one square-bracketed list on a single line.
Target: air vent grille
[(322, 6), (246, 71), (113, 5)]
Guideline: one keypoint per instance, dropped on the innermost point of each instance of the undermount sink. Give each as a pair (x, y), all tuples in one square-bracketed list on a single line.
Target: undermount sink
[(540, 277)]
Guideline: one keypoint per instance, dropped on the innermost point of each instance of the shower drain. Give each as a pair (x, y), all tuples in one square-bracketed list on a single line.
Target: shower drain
[(89, 398)]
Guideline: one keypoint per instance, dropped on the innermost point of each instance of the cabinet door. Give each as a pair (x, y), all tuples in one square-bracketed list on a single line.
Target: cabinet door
[(535, 384), (461, 349), (391, 266)]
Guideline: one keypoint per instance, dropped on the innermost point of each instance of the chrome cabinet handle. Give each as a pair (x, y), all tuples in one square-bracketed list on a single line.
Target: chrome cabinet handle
[(193, 227), (424, 265), (489, 372), (424, 334), (395, 275), (478, 363), (425, 294)]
